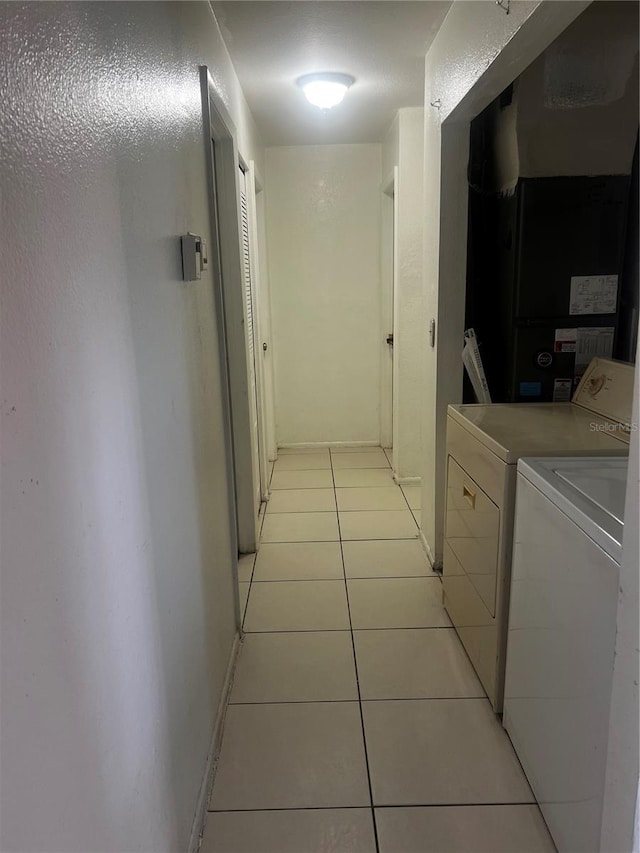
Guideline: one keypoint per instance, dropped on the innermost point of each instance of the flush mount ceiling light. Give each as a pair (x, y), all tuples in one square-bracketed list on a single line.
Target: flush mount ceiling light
[(325, 90)]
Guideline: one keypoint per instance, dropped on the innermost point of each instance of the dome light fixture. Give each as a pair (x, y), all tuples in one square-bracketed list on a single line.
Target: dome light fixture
[(325, 90)]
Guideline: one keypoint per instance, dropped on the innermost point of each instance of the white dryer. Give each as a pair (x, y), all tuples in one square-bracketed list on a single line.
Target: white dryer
[(562, 634), (484, 443)]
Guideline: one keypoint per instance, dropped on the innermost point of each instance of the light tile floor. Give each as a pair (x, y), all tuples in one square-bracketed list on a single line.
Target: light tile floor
[(356, 723)]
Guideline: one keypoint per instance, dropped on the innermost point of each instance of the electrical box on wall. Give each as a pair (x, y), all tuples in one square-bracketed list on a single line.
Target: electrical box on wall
[(194, 256)]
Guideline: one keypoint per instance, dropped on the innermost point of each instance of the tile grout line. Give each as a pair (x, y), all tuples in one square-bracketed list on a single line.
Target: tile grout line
[(382, 539), (382, 806), (328, 511), (360, 578), (246, 604), (259, 537), (477, 698), (343, 630), (316, 488), (355, 665), (255, 556), (411, 510)]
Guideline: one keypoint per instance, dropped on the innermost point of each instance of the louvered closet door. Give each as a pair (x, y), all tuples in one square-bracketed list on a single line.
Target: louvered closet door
[(250, 339)]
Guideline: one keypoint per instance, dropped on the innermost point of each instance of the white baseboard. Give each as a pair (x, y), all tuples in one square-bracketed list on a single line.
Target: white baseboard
[(407, 481), (214, 750), (436, 565), (312, 445)]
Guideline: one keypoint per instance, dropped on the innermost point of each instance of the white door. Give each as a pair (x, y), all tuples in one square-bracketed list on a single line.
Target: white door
[(250, 327), (388, 269)]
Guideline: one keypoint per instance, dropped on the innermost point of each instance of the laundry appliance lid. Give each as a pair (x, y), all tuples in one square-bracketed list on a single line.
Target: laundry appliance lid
[(590, 491), (606, 389), (512, 430), (595, 422)]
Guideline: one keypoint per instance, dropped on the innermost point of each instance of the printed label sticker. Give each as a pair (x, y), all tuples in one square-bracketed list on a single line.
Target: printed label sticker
[(593, 294), (565, 340), (593, 342), (562, 390)]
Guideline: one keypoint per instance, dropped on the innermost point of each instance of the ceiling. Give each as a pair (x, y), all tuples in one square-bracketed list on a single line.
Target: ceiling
[(382, 43)]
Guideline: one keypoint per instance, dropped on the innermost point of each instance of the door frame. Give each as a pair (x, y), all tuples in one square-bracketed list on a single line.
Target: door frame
[(264, 316), (224, 202), (388, 313), (251, 189)]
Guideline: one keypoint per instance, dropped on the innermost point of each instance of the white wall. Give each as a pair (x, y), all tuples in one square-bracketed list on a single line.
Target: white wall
[(323, 230), (391, 148), (477, 52), (117, 582)]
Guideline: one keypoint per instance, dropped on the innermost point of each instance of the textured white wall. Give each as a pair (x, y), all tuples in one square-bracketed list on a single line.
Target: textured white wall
[(477, 52), (391, 148), (323, 231), (117, 614)]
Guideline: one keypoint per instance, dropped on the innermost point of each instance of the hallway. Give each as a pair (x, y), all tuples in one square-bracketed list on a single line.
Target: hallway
[(208, 257), (356, 722)]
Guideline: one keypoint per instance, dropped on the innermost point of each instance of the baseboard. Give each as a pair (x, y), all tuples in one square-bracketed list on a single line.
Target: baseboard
[(214, 750), (407, 481), (436, 565), (312, 445)]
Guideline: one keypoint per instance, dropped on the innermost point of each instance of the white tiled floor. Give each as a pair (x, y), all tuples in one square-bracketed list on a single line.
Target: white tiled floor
[(301, 527), (302, 500), (377, 524), (356, 723)]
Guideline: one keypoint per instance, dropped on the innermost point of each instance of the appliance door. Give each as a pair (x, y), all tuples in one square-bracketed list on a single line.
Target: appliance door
[(560, 651), (470, 571)]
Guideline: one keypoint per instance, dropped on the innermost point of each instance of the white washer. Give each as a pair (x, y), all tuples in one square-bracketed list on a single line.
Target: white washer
[(562, 633), (484, 443)]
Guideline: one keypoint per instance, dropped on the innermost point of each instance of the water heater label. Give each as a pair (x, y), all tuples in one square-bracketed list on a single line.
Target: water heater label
[(593, 294), (562, 390), (566, 340), (592, 342)]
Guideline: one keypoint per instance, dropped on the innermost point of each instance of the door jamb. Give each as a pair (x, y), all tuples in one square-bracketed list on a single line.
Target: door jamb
[(251, 186), (219, 129)]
